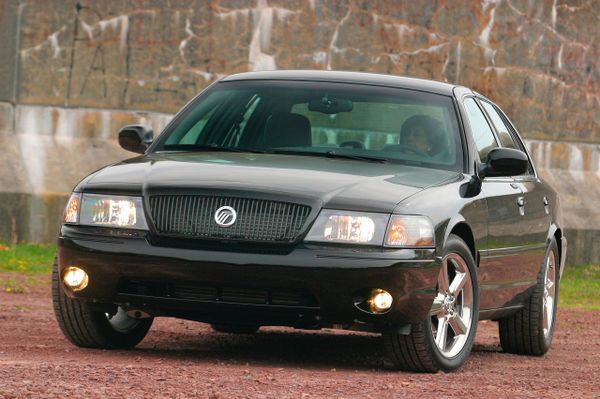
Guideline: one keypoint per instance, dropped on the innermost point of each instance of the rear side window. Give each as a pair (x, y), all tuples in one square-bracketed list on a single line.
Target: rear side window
[(482, 133), (503, 132)]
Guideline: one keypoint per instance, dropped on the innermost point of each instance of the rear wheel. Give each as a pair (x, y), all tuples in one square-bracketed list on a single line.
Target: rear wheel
[(89, 328), (235, 328), (444, 339), (530, 331)]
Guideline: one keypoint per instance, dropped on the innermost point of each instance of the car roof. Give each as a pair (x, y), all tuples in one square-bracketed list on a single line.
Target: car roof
[(431, 86)]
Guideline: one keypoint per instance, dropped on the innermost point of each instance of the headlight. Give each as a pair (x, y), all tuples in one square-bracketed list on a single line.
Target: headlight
[(349, 227), (371, 229), (72, 210), (409, 231), (106, 211)]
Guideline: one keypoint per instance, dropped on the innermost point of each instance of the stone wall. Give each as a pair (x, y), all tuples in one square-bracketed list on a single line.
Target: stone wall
[(73, 72)]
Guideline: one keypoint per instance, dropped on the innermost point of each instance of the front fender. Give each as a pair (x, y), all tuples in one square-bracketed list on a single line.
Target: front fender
[(448, 209)]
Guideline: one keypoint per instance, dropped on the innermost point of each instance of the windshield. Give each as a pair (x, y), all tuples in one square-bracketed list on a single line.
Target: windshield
[(350, 121)]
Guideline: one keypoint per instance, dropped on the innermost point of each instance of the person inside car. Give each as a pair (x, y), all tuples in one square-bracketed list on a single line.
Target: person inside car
[(422, 133)]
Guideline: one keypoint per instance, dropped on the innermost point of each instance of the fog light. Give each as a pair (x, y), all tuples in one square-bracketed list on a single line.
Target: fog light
[(75, 278), (380, 301)]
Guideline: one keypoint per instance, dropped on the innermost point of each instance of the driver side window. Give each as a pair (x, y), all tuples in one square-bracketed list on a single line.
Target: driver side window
[(482, 133)]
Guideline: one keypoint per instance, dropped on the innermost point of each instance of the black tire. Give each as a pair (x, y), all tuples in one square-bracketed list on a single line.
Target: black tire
[(523, 332), (90, 328), (235, 328), (418, 351)]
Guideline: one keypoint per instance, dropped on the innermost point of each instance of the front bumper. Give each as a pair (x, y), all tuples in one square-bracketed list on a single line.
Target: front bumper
[(334, 279)]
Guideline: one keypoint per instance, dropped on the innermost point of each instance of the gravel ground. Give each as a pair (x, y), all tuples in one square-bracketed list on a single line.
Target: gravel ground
[(180, 359)]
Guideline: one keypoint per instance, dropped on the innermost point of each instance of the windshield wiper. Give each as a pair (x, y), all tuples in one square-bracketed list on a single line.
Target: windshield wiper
[(207, 147), (333, 154), (216, 147), (368, 158)]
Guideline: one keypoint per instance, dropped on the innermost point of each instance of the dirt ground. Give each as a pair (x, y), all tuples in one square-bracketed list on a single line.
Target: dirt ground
[(180, 359)]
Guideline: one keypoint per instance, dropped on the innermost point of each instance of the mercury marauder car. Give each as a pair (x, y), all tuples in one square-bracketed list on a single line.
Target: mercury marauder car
[(311, 199)]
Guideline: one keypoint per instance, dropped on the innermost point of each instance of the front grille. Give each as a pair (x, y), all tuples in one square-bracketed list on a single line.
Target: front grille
[(259, 220), (209, 293), (237, 295), (192, 292)]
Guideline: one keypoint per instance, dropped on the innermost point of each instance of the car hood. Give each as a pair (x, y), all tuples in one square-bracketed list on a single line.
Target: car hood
[(328, 182)]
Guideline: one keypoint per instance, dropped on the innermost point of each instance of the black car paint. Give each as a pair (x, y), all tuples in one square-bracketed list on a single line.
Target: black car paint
[(335, 183), (486, 214), (335, 276), (511, 255)]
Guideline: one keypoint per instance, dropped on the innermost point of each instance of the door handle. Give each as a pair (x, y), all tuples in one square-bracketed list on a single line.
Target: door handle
[(546, 205), (521, 203)]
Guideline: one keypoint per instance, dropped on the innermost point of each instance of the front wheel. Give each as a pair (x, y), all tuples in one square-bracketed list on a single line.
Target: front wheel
[(444, 339), (88, 328)]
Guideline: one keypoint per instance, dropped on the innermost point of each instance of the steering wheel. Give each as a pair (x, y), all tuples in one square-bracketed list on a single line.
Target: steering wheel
[(407, 148)]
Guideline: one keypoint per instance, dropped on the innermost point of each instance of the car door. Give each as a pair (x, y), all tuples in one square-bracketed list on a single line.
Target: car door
[(500, 274), (535, 200)]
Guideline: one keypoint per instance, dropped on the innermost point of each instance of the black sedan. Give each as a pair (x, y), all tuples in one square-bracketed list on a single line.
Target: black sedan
[(312, 199)]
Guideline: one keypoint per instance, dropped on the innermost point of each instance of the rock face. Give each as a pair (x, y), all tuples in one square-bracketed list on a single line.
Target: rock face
[(539, 60), (75, 71)]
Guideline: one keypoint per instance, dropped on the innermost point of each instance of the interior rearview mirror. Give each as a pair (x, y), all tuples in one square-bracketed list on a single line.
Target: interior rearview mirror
[(135, 138), (330, 105), (504, 162)]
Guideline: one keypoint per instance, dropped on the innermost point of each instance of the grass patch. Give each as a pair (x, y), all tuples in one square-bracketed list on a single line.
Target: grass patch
[(11, 286), (27, 258), (580, 287), (26, 265), (16, 283)]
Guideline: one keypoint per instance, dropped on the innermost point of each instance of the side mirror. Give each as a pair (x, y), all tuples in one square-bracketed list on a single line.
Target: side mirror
[(135, 138), (504, 162)]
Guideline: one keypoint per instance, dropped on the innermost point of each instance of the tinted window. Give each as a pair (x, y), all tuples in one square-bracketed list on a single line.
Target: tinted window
[(503, 132), (401, 126), (482, 133)]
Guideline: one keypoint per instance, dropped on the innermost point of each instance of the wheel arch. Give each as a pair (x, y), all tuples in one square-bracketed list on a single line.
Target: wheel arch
[(557, 233), (462, 229)]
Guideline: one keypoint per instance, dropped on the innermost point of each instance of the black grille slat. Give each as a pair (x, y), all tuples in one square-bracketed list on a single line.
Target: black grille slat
[(170, 210), (211, 293), (185, 211), (177, 211), (288, 299), (166, 211), (258, 220), (244, 296), (195, 292)]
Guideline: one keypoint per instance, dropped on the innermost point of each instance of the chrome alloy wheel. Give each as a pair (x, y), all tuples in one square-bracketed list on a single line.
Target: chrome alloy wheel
[(452, 309), (549, 293)]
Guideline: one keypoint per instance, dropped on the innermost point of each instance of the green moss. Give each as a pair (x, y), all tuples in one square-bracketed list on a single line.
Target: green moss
[(580, 287)]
